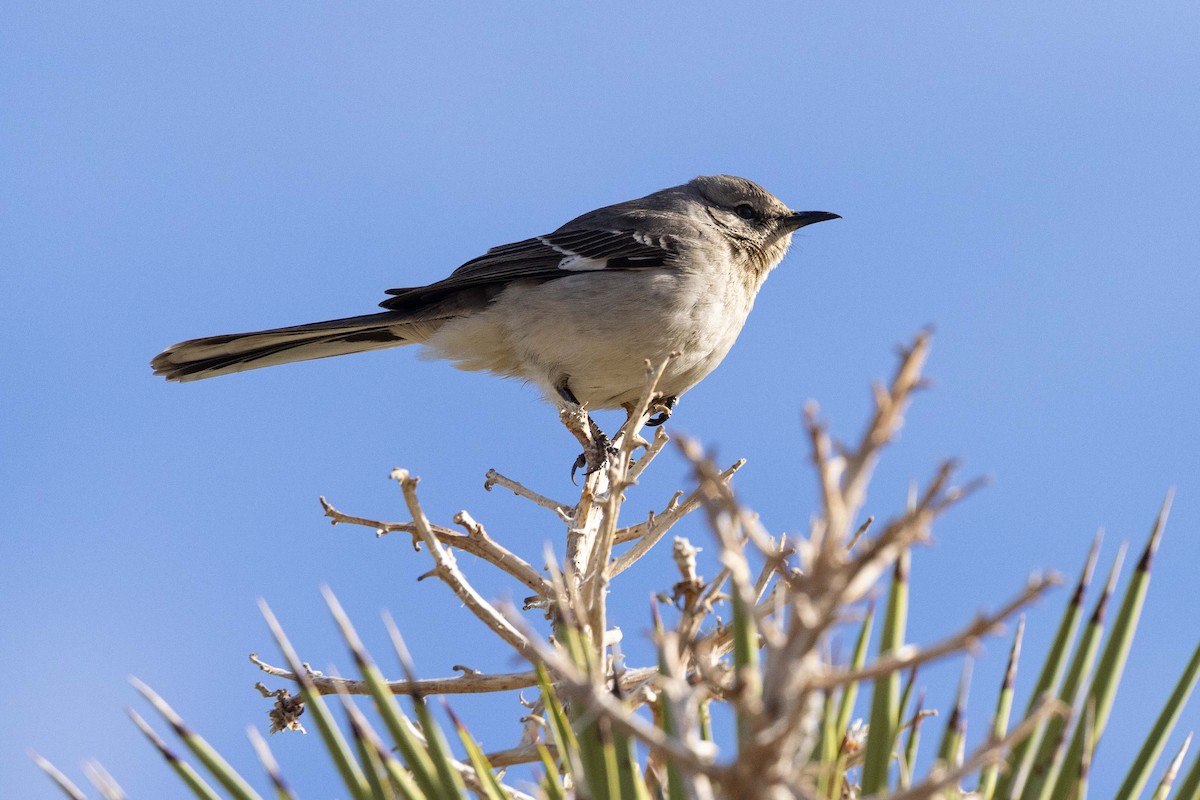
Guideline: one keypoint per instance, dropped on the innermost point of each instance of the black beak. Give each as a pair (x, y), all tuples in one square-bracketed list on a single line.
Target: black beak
[(798, 219)]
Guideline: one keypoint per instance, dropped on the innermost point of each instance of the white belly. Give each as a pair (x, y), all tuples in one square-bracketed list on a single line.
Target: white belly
[(597, 330)]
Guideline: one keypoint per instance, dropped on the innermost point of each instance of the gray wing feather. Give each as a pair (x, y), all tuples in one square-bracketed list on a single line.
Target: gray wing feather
[(537, 259)]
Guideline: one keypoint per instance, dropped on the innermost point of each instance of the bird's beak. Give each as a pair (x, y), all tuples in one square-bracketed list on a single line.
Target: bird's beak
[(798, 219)]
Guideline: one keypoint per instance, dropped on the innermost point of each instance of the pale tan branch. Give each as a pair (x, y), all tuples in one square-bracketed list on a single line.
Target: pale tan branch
[(494, 478), (521, 754), (652, 450), (910, 655), (650, 532), (478, 544), (885, 422), (598, 571), (597, 699), (446, 569), (470, 682)]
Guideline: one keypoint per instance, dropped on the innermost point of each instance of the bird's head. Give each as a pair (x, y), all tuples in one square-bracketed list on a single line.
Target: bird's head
[(748, 212)]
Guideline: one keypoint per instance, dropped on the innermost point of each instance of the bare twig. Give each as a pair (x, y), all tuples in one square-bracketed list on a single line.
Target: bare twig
[(476, 542), (470, 682), (494, 478), (650, 532), (446, 569), (597, 699), (911, 655), (652, 450)]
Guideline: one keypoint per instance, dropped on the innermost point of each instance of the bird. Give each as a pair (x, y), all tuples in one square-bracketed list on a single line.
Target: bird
[(576, 312)]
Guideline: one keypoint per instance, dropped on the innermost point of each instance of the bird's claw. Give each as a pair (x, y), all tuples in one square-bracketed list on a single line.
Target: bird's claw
[(595, 457), (664, 407), (580, 460)]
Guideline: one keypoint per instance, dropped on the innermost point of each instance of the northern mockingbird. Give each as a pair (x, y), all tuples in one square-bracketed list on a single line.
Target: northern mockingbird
[(576, 312)]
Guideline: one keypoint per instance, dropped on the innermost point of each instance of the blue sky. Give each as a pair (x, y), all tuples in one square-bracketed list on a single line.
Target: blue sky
[(1024, 178)]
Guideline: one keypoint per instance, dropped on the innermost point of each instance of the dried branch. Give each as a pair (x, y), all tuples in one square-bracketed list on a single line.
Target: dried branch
[(470, 682), (596, 699), (965, 639), (446, 569), (655, 447), (650, 532), (494, 478), (476, 542)]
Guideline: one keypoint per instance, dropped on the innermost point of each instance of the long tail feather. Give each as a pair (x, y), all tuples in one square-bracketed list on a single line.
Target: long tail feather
[(211, 356)]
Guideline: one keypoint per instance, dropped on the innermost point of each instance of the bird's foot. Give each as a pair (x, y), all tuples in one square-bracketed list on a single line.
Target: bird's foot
[(595, 455), (662, 409)]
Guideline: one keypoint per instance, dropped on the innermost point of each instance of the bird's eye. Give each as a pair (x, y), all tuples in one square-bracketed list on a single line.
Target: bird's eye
[(746, 211)]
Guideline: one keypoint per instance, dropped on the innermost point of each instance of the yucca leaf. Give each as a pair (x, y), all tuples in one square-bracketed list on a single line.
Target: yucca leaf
[(913, 743), (598, 755), (1021, 759), (885, 695), (826, 753), (905, 696), (1079, 788), (491, 788), (187, 773), (401, 778), (449, 782), (835, 757), (1139, 771), (550, 782), (225, 774), (909, 684), (339, 750), (368, 756), (560, 726), (431, 742), (105, 783), (675, 790), (629, 773), (409, 745), (1164, 784), (857, 660), (1038, 776), (745, 663), (1112, 661), (1189, 789), (63, 783), (380, 761), (439, 750), (282, 792), (987, 779), (832, 764), (952, 737)]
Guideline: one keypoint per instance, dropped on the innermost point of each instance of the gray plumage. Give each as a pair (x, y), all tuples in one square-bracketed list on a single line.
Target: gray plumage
[(577, 311)]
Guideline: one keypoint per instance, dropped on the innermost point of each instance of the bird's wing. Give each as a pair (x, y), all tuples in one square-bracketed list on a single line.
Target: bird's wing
[(543, 258)]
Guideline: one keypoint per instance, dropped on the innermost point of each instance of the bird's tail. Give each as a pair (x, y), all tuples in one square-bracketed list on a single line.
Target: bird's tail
[(211, 356)]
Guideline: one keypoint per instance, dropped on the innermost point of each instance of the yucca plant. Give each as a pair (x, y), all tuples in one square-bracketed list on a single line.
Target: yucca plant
[(803, 723)]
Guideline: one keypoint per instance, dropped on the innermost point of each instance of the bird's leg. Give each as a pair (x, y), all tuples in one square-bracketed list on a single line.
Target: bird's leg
[(663, 406), (595, 455), (596, 445)]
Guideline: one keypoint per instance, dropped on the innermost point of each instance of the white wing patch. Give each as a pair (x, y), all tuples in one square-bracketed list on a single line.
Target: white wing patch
[(577, 263), (553, 246)]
